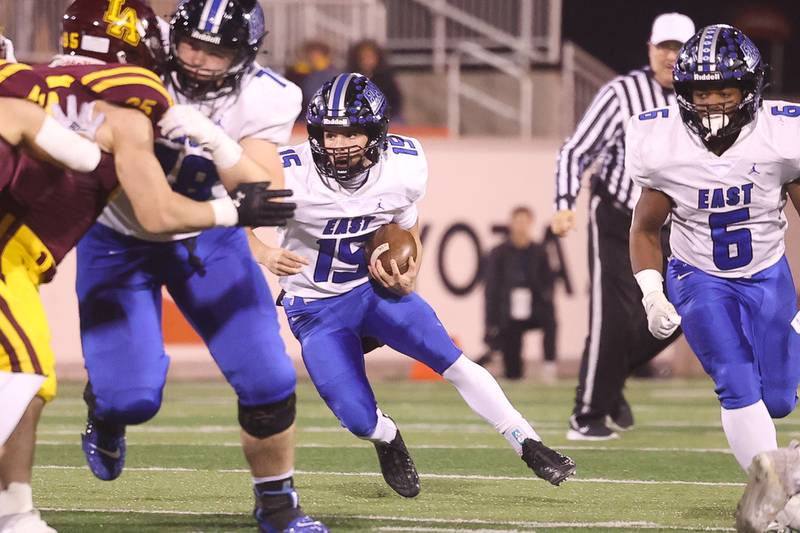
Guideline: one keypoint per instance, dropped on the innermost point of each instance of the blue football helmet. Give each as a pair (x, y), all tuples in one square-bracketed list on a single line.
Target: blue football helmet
[(236, 25), (348, 101), (717, 56)]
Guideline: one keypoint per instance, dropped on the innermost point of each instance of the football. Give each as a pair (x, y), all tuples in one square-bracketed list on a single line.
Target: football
[(391, 242)]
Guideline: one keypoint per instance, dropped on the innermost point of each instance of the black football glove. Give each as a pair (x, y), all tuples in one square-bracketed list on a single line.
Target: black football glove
[(257, 206)]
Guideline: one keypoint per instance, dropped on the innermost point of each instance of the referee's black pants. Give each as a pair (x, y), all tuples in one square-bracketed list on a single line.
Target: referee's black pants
[(618, 339)]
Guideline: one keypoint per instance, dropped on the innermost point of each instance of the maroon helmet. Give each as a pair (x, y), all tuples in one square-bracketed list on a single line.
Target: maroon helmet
[(114, 31)]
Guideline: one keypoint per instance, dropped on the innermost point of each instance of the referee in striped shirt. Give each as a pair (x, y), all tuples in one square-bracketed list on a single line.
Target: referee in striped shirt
[(618, 339)]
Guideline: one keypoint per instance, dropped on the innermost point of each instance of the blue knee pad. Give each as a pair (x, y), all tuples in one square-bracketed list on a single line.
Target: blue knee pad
[(129, 406)]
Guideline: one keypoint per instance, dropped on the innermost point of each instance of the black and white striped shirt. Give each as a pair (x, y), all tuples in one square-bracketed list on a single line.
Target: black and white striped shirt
[(600, 138)]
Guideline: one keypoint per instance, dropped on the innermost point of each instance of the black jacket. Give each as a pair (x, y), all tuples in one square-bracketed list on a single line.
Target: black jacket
[(500, 278)]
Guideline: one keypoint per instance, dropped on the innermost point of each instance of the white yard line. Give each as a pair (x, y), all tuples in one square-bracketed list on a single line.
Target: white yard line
[(546, 427), (444, 521), (424, 476), (550, 525), (117, 510), (237, 444)]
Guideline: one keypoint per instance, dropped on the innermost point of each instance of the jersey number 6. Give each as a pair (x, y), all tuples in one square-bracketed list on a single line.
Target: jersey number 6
[(732, 248)]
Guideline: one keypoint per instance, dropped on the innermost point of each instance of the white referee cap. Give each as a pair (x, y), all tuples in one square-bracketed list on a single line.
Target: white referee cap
[(671, 27)]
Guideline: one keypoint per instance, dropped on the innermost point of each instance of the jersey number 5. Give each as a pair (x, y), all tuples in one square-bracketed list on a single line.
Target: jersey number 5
[(732, 248)]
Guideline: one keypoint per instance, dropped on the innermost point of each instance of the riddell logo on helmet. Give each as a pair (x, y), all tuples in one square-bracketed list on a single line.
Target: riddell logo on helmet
[(340, 121), (213, 39), (710, 76)]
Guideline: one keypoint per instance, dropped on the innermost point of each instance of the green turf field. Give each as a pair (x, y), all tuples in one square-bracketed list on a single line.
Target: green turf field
[(185, 471)]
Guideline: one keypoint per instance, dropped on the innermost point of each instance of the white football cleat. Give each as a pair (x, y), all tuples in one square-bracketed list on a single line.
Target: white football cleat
[(29, 522), (788, 518), (774, 477)]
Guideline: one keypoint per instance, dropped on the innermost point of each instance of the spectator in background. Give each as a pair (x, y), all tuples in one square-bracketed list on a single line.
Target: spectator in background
[(313, 68), (519, 297), (368, 58)]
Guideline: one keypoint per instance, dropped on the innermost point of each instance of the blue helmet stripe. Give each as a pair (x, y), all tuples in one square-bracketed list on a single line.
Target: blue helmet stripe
[(336, 105), (204, 15), (212, 15), (708, 49), (220, 15)]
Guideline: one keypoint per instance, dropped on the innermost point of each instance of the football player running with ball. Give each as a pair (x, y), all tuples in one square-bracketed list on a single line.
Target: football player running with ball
[(733, 160), (349, 179)]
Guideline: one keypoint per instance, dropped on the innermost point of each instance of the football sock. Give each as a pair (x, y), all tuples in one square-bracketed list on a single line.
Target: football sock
[(272, 479), (108, 428), (17, 498), (750, 431), (277, 500), (483, 394), (385, 429)]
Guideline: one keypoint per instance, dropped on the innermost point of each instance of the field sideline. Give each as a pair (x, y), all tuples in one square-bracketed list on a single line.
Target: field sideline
[(186, 473)]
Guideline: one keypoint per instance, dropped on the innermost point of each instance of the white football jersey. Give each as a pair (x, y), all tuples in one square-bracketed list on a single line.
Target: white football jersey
[(727, 214), (331, 224), (265, 107)]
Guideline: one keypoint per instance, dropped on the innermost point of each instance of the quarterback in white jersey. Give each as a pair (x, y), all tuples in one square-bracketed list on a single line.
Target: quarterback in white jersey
[(230, 117), (350, 178), (332, 222), (722, 164)]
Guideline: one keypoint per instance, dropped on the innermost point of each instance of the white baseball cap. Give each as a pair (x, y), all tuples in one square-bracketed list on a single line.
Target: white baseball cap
[(671, 27)]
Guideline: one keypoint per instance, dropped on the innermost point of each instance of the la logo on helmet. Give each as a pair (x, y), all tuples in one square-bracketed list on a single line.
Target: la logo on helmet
[(122, 23)]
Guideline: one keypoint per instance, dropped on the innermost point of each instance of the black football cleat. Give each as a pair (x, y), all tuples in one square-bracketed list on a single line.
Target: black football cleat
[(104, 448), (546, 463), (622, 417), (592, 430), (397, 467)]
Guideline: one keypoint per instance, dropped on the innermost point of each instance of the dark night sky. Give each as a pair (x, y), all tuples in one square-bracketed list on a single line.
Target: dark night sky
[(616, 31)]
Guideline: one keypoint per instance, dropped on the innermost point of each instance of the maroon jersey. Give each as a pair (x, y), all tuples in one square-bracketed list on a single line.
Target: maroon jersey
[(18, 80), (60, 205), (124, 85), (9, 160)]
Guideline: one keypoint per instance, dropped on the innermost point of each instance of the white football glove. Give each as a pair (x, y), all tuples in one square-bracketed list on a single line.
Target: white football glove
[(186, 121), (69, 137), (662, 318), (81, 120)]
